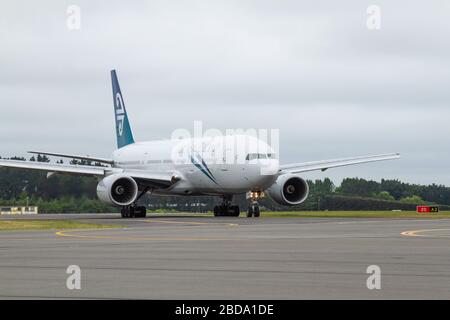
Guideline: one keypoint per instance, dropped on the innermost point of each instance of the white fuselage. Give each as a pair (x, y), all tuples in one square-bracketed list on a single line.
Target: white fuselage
[(206, 166)]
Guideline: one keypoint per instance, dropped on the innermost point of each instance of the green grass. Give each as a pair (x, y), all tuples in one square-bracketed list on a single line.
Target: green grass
[(355, 214), (322, 214), (49, 224)]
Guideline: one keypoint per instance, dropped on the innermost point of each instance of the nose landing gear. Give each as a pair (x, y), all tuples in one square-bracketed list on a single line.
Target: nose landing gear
[(253, 209)]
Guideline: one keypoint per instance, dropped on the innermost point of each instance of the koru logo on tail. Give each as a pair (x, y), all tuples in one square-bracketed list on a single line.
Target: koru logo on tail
[(120, 113)]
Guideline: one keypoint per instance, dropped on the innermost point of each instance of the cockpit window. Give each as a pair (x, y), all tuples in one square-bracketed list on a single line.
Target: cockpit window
[(252, 156)]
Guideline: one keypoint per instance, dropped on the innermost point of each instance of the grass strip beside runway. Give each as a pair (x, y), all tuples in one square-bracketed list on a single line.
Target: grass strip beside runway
[(355, 214), (319, 214), (49, 224)]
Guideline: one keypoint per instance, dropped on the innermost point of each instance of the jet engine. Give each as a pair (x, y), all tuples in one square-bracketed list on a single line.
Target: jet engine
[(118, 189), (289, 190)]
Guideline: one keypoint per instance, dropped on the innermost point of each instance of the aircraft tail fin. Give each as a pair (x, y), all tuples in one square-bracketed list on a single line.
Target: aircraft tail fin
[(123, 128)]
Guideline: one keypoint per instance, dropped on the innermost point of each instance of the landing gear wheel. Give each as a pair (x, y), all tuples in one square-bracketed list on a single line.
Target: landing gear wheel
[(141, 212), (235, 211), (253, 208), (253, 211), (256, 212), (133, 212), (225, 209), (124, 212)]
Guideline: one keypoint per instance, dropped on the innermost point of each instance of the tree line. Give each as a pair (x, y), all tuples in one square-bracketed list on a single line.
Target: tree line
[(70, 193)]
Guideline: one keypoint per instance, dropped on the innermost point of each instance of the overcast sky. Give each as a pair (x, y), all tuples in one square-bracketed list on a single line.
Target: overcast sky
[(312, 69)]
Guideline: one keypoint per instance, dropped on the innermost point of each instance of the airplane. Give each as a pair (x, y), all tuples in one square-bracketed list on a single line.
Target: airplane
[(191, 166)]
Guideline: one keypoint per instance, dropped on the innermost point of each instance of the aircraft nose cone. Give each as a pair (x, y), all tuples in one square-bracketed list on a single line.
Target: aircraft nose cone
[(268, 167)]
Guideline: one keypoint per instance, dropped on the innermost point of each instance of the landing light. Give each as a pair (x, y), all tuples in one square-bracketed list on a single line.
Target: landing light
[(255, 195)]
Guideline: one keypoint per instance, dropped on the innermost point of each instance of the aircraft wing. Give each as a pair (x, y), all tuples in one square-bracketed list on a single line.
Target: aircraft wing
[(146, 178), (326, 164), (54, 167), (65, 155), (157, 179)]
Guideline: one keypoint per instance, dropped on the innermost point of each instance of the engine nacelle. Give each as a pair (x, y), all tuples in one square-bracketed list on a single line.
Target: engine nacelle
[(289, 190), (118, 189)]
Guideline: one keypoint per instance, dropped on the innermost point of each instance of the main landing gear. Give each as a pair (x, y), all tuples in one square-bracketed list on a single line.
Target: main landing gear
[(135, 211), (225, 209)]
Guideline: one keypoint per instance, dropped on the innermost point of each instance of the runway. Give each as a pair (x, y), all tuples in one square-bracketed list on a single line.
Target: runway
[(188, 257)]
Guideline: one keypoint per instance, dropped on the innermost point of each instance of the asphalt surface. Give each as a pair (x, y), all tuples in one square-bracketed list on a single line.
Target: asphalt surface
[(230, 258)]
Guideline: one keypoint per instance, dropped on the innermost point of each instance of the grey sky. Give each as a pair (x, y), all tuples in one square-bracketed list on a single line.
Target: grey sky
[(311, 69)]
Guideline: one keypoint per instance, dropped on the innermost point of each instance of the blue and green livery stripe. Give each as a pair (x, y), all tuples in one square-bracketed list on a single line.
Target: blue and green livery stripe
[(203, 168)]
